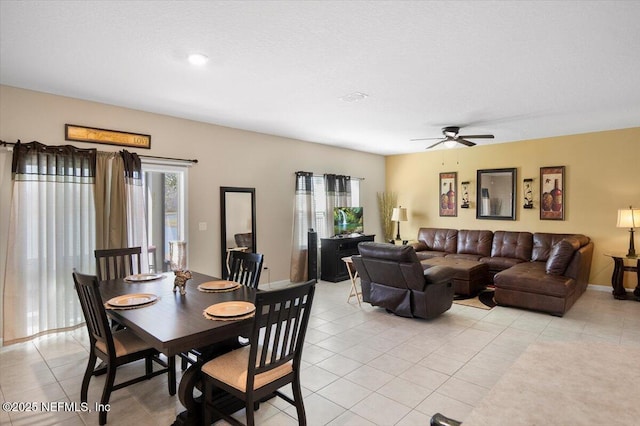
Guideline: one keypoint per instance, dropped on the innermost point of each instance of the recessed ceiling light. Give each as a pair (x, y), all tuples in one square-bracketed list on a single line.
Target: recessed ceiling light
[(354, 97), (198, 59)]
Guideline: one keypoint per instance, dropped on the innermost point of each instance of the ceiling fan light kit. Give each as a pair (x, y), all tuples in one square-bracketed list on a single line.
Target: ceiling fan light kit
[(451, 138)]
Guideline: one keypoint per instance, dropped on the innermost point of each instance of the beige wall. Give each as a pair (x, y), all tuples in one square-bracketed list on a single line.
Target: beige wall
[(227, 157), (602, 175)]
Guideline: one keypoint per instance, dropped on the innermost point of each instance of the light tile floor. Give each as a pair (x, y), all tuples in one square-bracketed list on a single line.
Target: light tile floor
[(362, 366)]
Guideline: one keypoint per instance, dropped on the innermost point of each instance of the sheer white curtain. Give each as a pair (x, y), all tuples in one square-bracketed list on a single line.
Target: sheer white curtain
[(5, 202), (303, 219), (338, 194), (51, 231)]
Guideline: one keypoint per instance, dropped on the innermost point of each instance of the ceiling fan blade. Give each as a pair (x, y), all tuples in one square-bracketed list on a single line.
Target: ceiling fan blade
[(465, 142), (435, 144), (476, 136), (425, 139)]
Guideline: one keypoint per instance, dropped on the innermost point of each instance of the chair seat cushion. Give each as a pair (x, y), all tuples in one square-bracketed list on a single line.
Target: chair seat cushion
[(126, 342), (231, 368)]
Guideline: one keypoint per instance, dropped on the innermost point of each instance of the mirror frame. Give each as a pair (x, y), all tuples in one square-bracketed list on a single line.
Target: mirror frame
[(512, 174), (224, 190)]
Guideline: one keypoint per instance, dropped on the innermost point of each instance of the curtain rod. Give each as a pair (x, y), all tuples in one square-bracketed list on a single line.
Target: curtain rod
[(352, 177), (139, 155)]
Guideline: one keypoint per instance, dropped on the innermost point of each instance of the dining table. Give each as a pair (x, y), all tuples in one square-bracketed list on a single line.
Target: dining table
[(175, 324)]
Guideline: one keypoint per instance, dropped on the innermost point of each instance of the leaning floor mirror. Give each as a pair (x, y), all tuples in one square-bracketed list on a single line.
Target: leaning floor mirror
[(496, 194), (237, 222)]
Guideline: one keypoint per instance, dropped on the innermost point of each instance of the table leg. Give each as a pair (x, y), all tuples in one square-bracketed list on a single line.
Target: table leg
[(191, 380), (619, 291), (353, 276)]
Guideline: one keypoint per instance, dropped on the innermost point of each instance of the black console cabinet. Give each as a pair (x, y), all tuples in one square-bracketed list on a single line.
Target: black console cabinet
[(333, 250)]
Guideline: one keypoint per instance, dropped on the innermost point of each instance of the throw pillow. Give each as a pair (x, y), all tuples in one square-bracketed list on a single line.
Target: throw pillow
[(560, 256)]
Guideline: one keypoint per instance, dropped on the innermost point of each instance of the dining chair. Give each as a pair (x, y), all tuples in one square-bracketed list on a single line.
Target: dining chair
[(117, 263), (270, 361), (245, 268), (114, 348)]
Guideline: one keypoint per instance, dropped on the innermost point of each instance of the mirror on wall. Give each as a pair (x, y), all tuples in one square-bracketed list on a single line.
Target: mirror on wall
[(496, 190), (237, 222)]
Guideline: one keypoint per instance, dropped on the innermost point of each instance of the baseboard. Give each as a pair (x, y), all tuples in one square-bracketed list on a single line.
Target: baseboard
[(599, 287)]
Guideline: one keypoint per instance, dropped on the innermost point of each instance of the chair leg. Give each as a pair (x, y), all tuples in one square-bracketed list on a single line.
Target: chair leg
[(183, 364), (148, 365), (297, 397), (249, 409), (87, 377), (172, 375), (106, 393)]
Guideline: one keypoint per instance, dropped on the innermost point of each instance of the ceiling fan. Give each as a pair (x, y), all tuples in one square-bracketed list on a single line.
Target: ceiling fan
[(451, 137)]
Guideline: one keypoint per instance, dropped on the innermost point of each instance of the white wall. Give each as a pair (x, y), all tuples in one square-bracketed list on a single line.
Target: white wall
[(226, 157)]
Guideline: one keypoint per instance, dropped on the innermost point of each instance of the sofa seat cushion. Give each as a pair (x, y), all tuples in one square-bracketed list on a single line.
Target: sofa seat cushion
[(464, 256), (500, 263), (428, 254), (531, 277)]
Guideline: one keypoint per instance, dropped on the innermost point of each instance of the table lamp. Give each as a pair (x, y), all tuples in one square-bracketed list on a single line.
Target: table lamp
[(399, 214), (629, 218)]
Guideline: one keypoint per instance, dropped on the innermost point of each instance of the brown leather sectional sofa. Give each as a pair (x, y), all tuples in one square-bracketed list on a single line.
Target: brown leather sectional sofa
[(541, 271)]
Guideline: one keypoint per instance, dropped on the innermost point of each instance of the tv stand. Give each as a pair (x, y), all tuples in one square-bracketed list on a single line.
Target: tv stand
[(332, 268)]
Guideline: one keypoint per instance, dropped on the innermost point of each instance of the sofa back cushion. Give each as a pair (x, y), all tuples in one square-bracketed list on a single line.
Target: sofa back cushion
[(561, 254), (543, 242), (513, 245), (439, 239), (475, 242)]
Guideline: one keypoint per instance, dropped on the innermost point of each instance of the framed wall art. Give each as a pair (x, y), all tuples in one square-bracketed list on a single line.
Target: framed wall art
[(448, 198), (109, 137), (552, 193)]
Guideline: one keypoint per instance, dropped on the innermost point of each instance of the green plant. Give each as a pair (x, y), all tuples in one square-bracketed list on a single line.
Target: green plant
[(386, 202)]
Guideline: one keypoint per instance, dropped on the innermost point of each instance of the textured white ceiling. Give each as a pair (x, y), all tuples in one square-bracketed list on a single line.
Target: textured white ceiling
[(520, 69)]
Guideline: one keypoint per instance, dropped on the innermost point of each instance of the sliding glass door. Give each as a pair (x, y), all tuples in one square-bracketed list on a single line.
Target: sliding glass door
[(165, 189)]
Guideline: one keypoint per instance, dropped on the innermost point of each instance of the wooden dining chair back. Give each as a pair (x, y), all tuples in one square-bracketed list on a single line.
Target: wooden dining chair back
[(245, 268), (272, 358), (115, 349), (117, 263)]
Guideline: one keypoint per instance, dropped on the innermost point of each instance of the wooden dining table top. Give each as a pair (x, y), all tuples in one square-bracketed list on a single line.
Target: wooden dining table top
[(175, 323)]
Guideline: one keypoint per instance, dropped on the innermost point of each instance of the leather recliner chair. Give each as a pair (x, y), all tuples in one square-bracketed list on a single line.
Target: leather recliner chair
[(392, 277)]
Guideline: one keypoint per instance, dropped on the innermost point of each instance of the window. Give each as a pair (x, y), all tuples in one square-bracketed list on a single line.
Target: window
[(165, 186), (320, 201)]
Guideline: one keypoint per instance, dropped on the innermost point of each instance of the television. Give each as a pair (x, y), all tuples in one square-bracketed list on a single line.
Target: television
[(347, 220)]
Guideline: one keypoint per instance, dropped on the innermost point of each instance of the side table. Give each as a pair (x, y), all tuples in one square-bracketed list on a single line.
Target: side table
[(617, 278), (353, 276)]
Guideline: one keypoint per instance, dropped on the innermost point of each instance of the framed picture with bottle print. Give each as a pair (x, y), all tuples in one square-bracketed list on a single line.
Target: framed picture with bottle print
[(552, 192), (447, 195)]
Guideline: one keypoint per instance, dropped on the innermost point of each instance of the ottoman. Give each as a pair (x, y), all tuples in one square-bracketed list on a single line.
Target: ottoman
[(470, 276)]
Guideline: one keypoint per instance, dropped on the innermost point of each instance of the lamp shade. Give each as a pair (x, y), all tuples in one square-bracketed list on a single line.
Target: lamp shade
[(628, 218), (399, 214)]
